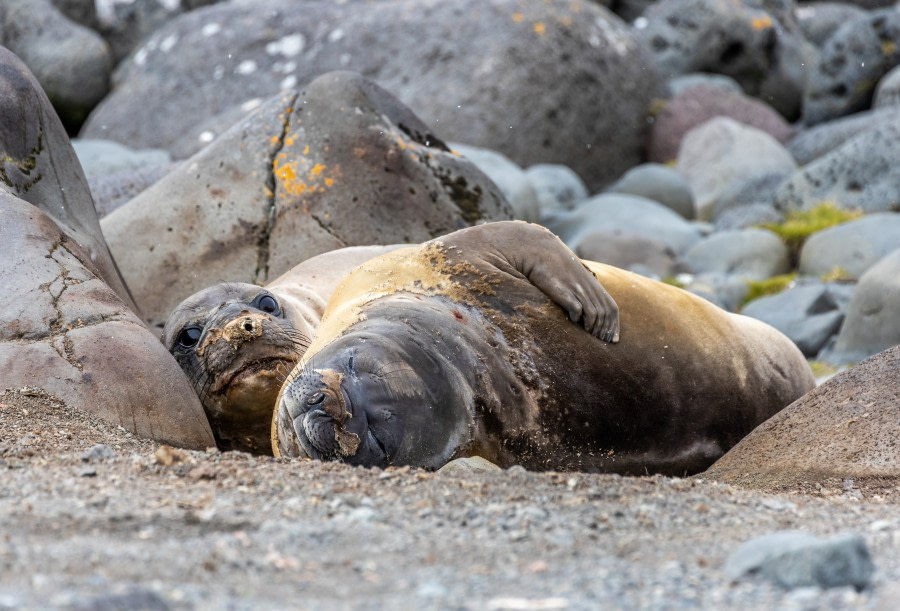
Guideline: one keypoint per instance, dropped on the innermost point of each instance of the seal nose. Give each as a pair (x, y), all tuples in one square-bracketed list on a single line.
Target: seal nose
[(244, 327)]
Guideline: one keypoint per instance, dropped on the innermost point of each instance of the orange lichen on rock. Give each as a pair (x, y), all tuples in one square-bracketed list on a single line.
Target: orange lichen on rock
[(518, 17), (540, 28), (761, 23)]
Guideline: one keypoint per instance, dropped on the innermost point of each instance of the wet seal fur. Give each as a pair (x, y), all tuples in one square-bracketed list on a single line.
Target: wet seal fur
[(443, 351), (237, 342)]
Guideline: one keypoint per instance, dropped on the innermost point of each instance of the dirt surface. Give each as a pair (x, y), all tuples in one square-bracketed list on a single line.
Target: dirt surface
[(92, 518)]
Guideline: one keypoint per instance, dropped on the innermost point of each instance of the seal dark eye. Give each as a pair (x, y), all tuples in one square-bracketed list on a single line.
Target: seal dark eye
[(267, 303), (189, 337), (315, 399)]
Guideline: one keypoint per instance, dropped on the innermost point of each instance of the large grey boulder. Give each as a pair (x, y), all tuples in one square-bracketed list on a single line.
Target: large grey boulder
[(698, 105), (847, 427), (752, 254), (39, 166), (814, 142), (625, 215), (722, 152), (341, 163), (659, 183), (538, 82), (754, 189), (850, 64), (761, 49), (860, 174), (556, 186), (809, 314), (854, 246), (873, 316), (72, 63), (819, 20)]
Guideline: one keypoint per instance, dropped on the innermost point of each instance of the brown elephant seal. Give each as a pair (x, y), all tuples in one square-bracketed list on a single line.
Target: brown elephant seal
[(444, 350), (237, 342)]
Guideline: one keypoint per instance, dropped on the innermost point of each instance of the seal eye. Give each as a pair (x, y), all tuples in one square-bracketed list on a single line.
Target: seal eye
[(315, 399), (267, 303), (189, 337)]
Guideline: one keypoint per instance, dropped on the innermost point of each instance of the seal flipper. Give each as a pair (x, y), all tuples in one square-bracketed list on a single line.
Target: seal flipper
[(541, 257)]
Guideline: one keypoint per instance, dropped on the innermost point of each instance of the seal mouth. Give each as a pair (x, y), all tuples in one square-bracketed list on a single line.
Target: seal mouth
[(277, 366)]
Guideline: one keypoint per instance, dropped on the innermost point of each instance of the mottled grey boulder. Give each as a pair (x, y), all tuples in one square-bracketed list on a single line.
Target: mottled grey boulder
[(626, 215), (659, 183), (681, 83), (753, 254), (750, 215), (794, 559), (873, 316), (819, 20), (762, 50), (341, 163), (639, 254), (809, 314), (72, 63), (557, 187), (814, 142), (540, 83), (850, 64), (721, 152), (111, 191), (756, 189), (862, 173), (508, 176), (887, 92), (698, 105), (39, 166)]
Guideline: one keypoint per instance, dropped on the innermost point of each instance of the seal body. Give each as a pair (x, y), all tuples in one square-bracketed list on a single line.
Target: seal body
[(237, 342), (437, 352)]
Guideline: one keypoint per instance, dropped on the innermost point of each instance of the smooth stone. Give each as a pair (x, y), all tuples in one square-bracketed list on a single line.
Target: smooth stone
[(722, 152), (850, 64), (698, 105), (809, 314), (340, 163), (887, 92), (72, 63), (111, 191), (844, 428), (565, 83), (793, 559), (468, 466), (725, 290), (872, 323), (754, 254), (761, 49), (860, 174), (642, 255), (557, 186), (813, 142), (626, 215), (746, 216), (659, 183), (681, 83), (511, 179), (854, 246), (757, 189)]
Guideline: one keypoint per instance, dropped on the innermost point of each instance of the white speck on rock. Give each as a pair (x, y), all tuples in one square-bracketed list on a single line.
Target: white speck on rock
[(141, 56), (218, 72), (251, 104), (206, 137), (211, 29), (168, 42), (288, 82), (345, 59), (336, 35), (287, 46), (640, 23), (248, 66)]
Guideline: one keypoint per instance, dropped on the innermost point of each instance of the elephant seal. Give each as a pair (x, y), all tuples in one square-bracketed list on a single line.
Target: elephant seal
[(238, 342), (443, 351)]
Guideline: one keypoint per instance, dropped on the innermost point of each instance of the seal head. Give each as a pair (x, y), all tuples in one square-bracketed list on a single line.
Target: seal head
[(237, 343)]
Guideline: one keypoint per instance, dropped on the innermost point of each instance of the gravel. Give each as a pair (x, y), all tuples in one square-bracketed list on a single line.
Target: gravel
[(138, 525)]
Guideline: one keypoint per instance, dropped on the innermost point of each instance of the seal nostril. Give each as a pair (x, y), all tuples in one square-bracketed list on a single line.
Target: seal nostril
[(315, 399), (248, 325)]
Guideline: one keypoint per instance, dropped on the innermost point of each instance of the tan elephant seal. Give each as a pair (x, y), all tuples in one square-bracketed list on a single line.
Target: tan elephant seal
[(446, 350), (237, 342)]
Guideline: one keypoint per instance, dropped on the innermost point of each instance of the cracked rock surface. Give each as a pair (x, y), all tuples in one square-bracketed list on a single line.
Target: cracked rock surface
[(340, 163)]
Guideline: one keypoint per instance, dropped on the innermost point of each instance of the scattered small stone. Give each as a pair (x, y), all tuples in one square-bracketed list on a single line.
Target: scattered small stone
[(88, 472), (97, 452), (202, 472), (795, 559), (468, 465), (168, 456)]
